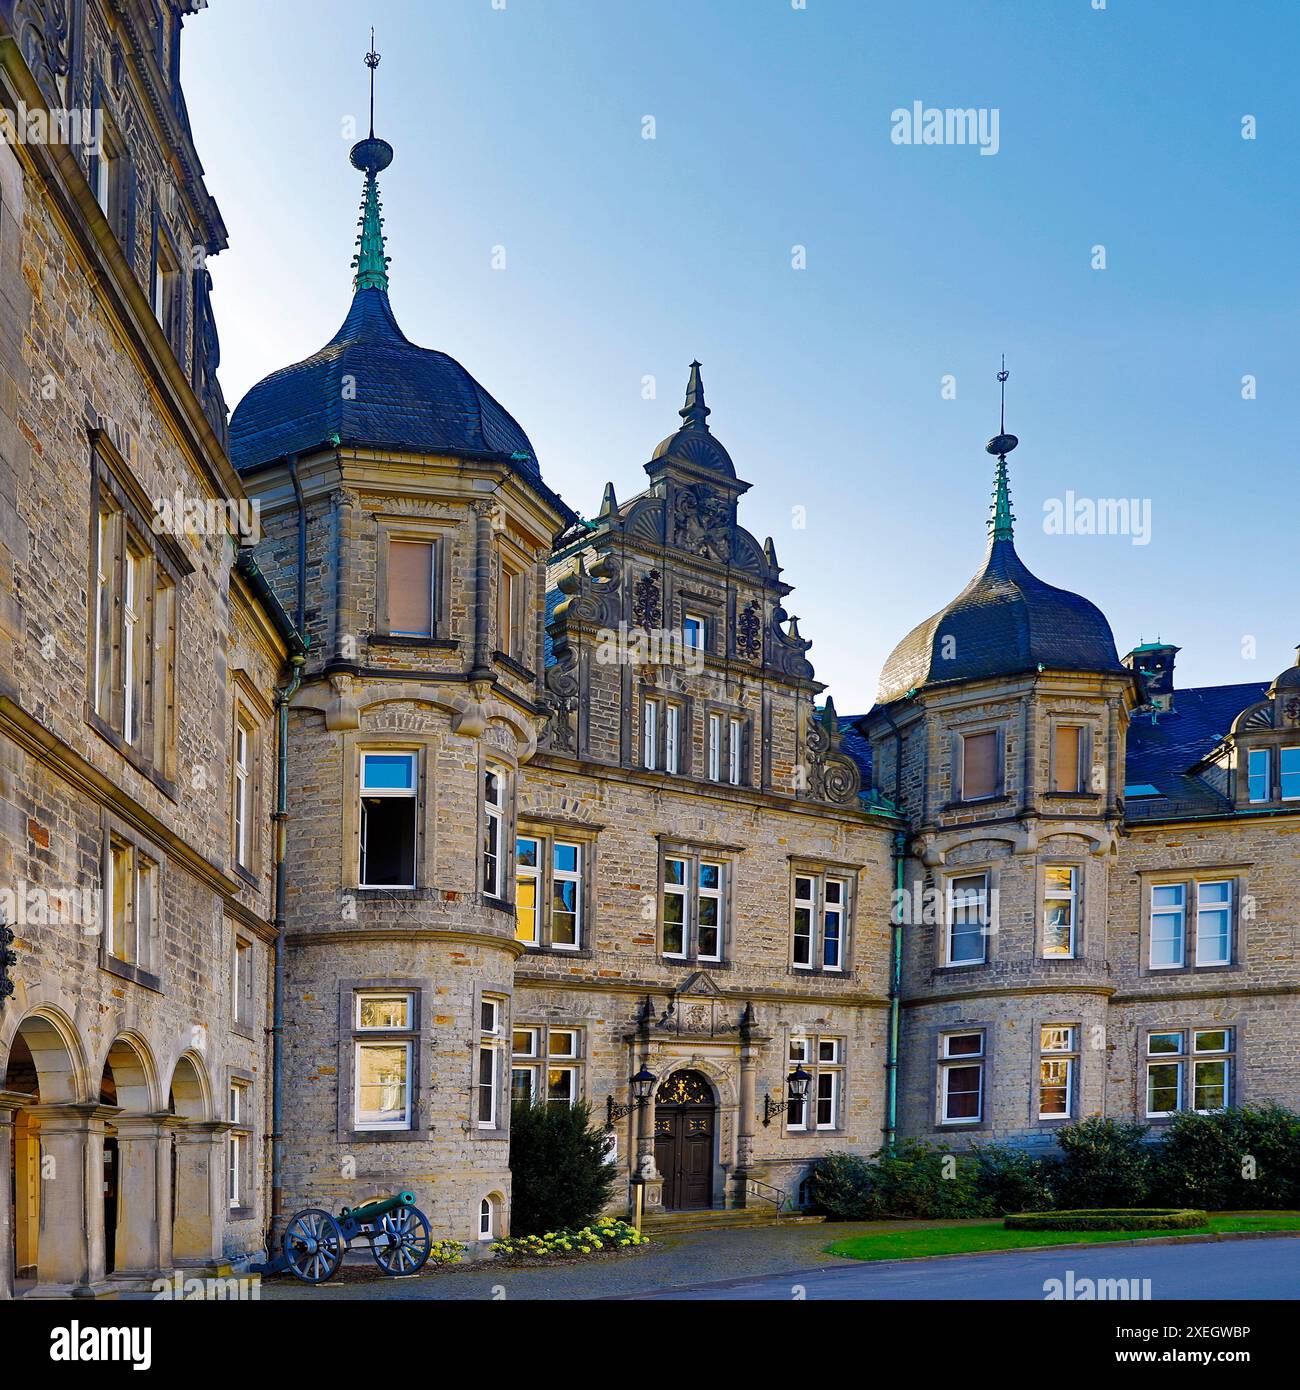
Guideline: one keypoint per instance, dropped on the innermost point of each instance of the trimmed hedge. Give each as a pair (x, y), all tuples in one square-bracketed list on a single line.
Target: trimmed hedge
[(1133, 1219)]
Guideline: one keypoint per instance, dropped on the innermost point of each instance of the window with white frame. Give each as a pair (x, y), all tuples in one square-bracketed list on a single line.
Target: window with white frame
[(968, 919), (491, 1048), (661, 735), (549, 891), (494, 829), (1208, 904), (961, 1077), (545, 1065), (238, 1146), (245, 825), (672, 736), (1188, 1069), (692, 907), (1060, 910), (695, 631), (820, 923), (735, 750), (242, 983), (715, 748), (650, 734), (1289, 762), (388, 819), (382, 1045), (132, 898), (486, 1215), (1259, 774), (821, 1106), (1058, 1057)]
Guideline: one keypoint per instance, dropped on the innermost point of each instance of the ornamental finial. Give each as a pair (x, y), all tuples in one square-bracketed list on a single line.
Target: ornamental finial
[(1001, 519), (371, 155)]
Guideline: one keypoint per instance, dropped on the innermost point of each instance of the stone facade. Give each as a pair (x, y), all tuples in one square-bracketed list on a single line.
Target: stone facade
[(130, 646)]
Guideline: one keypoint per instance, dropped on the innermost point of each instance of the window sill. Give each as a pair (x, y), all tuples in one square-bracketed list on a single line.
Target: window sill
[(696, 962), (248, 875), (559, 952), (401, 639), (124, 970), (240, 1213), (1071, 796), (516, 668), (244, 1030), (819, 972), (387, 1136), (1002, 799), (141, 764), (960, 965)]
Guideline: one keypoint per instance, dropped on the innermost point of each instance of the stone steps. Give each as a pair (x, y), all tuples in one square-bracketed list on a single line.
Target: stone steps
[(666, 1223)]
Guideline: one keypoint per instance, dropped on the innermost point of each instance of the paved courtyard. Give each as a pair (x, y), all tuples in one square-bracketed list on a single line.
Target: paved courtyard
[(786, 1263)]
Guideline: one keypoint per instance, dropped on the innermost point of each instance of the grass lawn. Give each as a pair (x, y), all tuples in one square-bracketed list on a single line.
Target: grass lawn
[(970, 1237)]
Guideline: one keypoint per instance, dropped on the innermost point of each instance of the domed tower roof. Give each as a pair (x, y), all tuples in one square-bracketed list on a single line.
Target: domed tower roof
[(694, 443), (1006, 621), (370, 386)]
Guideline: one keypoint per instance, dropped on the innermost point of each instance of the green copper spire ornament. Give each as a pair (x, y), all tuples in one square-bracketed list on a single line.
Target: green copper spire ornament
[(1001, 518), (371, 155)]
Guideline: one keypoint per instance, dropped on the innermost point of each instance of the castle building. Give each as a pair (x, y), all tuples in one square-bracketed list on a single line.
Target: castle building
[(354, 787)]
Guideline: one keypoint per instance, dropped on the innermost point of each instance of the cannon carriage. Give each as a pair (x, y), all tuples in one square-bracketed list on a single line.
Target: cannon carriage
[(315, 1242)]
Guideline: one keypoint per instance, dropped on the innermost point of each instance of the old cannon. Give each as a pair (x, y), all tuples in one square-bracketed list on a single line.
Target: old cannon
[(314, 1241)]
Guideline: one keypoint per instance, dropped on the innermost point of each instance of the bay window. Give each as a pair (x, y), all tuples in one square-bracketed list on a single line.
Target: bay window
[(388, 819), (382, 1025), (1058, 1056), (967, 913), (1060, 910)]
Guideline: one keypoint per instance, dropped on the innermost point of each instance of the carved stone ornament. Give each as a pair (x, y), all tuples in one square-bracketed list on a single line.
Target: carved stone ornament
[(41, 27), (1292, 710), (832, 777), (749, 632), (702, 523), (647, 601)]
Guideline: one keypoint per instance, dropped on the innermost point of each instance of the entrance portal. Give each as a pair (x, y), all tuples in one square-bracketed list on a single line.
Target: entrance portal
[(685, 1121)]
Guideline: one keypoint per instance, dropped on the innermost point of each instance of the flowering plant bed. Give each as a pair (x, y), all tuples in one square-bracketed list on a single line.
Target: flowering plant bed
[(1130, 1219), (604, 1236)]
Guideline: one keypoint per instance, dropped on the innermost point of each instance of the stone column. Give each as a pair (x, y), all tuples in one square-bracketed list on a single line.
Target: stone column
[(198, 1234), (143, 1201), (9, 1102), (745, 1139), (70, 1257)]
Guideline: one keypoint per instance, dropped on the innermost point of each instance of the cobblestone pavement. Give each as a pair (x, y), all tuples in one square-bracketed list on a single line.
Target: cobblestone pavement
[(670, 1262)]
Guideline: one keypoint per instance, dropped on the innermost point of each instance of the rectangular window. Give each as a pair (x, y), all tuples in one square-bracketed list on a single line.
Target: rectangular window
[(237, 1142), (388, 815), (828, 1083), (676, 897), (1058, 1056), (489, 1062), (715, 747), (820, 922), (105, 549), (672, 737), (132, 897), (411, 572), (1188, 1070), (166, 294), (805, 909), (693, 908), (382, 1064), (650, 735), (1067, 758), (1290, 766), (510, 612), (961, 1078), (549, 1057), (1060, 906), (528, 890), (133, 645), (1258, 774), (735, 751), (242, 983), (967, 919), (494, 820), (244, 828), (566, 896), (695, 631), (1214, 923), (1168, 925), (979, 766), (796, 1110)]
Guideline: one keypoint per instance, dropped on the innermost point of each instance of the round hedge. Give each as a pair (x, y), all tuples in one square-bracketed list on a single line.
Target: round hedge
[(1130, 1219)]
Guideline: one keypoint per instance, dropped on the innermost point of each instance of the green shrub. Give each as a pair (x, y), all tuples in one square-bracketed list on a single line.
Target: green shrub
[(842, 1186), (1105, 1163), (608, 1233), (1231, 1160), (915, 1180), (1132, 1219), (1012, 1180), (559, 1174)]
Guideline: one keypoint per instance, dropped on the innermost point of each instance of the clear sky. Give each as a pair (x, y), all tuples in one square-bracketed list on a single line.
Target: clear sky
[(522, 127)]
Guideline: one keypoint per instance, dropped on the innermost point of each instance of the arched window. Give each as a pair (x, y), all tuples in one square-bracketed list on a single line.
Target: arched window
[(485, 1219)]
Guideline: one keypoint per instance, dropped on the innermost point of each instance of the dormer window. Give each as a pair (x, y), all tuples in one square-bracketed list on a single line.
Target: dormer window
[(1259, 774), (1290, 758)]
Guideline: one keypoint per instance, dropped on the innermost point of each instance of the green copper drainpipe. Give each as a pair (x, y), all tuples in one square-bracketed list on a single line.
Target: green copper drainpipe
[(895, 990)]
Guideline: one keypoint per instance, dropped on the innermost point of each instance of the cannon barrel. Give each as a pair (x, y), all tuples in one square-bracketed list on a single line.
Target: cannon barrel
[(370, 1211)]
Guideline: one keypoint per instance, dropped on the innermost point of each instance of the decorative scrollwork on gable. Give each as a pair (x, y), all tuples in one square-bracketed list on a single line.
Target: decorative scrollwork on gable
[(749, 632), (831, 776), (788, 649)]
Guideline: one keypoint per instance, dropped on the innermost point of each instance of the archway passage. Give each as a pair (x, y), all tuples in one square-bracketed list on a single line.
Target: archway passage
[(685, 1126)]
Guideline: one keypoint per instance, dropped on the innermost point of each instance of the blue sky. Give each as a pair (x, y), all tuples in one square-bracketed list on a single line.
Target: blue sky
[(625, 257)]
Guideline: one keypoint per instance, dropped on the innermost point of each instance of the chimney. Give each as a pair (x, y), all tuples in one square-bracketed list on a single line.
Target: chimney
[(1154, 663)]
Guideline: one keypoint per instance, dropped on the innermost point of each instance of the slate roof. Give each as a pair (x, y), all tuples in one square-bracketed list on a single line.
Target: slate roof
[(553, 600), (402, 397), (1162, 748), (855, 746), (1004, 622)]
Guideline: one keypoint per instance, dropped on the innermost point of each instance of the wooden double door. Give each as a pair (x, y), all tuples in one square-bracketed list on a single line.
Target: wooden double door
[(685, 1126)]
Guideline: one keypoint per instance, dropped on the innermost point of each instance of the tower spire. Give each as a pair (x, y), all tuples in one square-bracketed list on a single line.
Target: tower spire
[(1001, 518), (695, 412), (370, 156)]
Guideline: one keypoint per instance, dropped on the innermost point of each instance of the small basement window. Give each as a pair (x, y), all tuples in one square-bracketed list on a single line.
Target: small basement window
[(388, 807)]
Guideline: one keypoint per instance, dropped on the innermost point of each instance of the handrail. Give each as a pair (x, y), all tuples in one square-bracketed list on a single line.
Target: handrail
[(765, 1190)]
